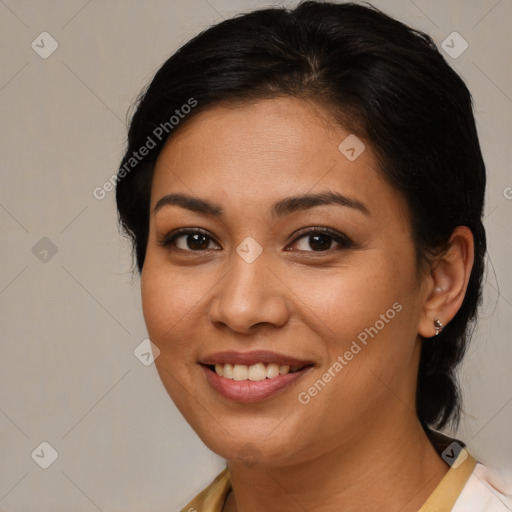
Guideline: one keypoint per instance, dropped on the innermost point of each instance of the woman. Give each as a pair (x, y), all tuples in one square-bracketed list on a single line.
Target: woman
[(304, 191)]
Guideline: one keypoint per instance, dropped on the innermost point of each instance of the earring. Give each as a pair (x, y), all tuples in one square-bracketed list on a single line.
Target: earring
[(438, 326)]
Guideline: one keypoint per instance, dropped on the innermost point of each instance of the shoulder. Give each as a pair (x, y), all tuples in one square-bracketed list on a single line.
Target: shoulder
[(487, 490)]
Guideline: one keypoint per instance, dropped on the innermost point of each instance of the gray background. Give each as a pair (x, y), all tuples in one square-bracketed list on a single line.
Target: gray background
[(71, 319)]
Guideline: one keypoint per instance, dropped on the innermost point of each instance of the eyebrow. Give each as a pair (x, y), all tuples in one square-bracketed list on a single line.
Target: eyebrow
[(281, 208)]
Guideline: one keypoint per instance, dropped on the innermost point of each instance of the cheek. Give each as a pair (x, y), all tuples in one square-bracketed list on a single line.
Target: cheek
[(364, 314), (168, 303), (167, 299), (347, 299)]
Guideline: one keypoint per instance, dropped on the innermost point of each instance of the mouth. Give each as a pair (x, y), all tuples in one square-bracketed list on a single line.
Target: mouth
[(252, 376), (255, 372)]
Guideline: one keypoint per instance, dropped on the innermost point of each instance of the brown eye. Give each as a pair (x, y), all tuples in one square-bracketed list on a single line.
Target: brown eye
[(321, 240), (192, 240), (318, 242), (197, 240)]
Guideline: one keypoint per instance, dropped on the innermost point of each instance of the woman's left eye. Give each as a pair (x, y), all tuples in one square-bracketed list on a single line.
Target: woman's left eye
[(321, 240), (198, 240)]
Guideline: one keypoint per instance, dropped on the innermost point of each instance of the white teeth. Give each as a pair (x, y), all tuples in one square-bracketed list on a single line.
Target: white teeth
[(284, 369), (255, 372), (240, 372), (227, 370), (272, 370)]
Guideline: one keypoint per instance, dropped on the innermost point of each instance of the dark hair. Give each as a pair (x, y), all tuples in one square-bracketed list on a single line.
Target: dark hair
[(381, 80)]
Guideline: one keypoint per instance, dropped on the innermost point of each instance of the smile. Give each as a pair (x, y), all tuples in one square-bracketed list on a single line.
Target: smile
[(255, 372), (252, 376)]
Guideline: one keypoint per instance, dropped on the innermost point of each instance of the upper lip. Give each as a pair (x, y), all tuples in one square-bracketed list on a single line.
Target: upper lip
[(253, 357)]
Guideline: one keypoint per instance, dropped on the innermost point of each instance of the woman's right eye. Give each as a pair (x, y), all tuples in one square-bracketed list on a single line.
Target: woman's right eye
[(191, 240)]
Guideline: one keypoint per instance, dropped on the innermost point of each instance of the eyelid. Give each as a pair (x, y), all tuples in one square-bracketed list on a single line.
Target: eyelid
[(340, 238), (336, 235), (167, 240)]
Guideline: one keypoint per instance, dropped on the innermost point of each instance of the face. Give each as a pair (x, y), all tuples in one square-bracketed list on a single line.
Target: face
[(308, 307)]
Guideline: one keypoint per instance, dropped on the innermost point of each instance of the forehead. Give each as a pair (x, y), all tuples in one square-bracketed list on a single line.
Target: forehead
[(262, 151)]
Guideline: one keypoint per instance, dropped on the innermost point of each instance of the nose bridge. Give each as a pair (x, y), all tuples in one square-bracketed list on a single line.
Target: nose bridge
[(249, 294)]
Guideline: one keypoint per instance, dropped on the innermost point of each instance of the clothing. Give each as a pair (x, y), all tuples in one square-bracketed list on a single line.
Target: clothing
[(468, 486)]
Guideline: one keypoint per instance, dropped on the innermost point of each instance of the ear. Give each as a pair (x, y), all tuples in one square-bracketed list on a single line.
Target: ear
[(447, 282)]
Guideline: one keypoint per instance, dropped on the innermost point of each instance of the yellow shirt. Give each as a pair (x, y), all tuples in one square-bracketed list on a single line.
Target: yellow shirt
[(461, 489)]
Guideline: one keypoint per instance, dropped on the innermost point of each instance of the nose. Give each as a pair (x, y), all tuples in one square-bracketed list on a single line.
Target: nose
[(249, 295)]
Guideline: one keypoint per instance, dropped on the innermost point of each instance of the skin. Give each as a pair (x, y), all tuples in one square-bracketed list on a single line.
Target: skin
[(359, 437)]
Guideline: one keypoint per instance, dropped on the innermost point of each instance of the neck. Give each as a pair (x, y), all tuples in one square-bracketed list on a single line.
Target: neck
[(394, 469)]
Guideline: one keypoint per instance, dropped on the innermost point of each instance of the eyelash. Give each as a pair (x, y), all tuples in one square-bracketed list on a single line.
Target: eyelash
[(343, 241)]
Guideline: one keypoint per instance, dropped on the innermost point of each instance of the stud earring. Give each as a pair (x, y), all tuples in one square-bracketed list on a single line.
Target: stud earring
[(438, 326)]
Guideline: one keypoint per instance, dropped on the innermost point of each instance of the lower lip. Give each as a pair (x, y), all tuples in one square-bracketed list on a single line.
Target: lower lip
[(251, 391)]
